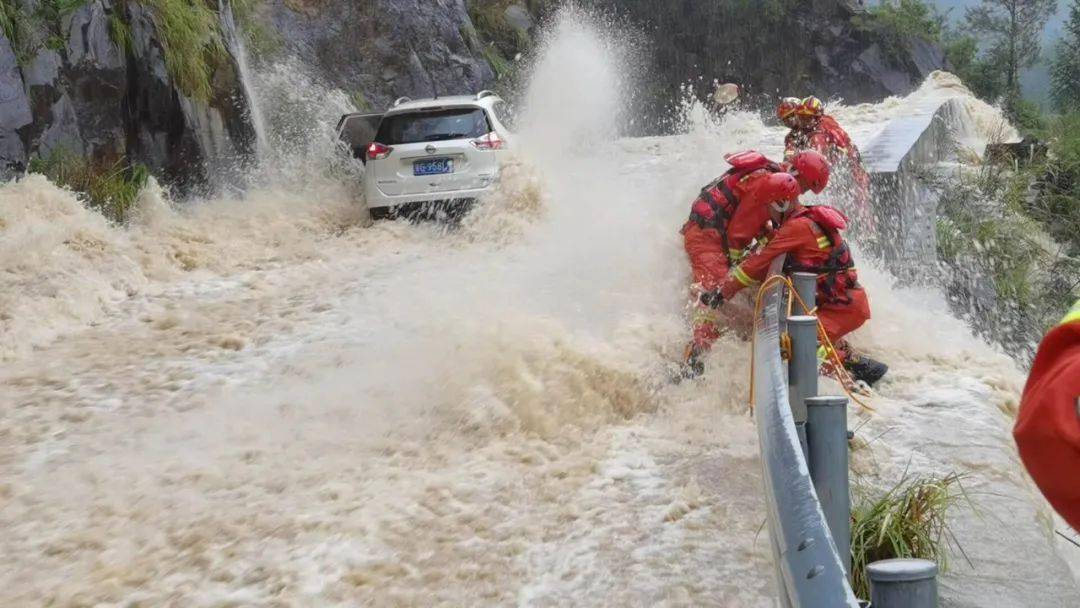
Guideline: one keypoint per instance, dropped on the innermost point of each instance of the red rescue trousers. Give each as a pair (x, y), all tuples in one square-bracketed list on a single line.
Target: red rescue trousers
[(841, 318), (1048, 426), (709, 263)]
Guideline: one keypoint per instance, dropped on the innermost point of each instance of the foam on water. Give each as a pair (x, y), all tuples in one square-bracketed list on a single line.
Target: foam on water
[(262, 400)]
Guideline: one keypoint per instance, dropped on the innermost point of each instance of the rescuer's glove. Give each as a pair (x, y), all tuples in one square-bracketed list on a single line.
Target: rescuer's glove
[(713, 299)]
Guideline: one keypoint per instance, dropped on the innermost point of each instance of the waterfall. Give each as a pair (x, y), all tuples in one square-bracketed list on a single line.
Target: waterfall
[(235, 44)]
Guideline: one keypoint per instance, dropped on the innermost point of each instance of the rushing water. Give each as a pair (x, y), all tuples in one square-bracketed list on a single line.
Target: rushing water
[(266, 401)]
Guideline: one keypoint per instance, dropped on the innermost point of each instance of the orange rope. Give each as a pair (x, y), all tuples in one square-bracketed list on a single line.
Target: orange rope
[(830, 349)]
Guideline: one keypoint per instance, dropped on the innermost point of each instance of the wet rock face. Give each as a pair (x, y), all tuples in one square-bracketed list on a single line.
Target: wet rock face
[(800, 49), (385, 48), (14, 111), (107, 103)]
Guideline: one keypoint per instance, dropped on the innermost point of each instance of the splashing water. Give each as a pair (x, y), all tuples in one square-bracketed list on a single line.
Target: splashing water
[(262, 400)]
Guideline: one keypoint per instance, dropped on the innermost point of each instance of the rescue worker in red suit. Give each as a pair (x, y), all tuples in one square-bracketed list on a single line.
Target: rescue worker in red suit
[(811, 239), (813, 129), (1047, 429), (729, 215)]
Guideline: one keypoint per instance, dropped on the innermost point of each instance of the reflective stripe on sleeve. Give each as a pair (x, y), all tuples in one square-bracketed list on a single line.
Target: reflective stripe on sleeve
[(1073, 314), (743, 278)]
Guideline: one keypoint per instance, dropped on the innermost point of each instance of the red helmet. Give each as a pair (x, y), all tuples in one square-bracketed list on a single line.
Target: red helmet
[(810, 110), (787, 109), (811, 169)]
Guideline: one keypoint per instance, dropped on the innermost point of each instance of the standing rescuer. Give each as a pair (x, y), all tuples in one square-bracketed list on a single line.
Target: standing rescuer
[(810, 236), (726, 218), (813, 129), (1047, 430)]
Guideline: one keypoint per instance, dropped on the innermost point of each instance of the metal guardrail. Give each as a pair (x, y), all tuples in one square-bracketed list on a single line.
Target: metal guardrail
[(810, 572)]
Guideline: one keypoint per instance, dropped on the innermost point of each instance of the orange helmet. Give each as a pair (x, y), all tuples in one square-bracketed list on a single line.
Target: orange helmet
[(787, 109), (810, 110), (811, 169)]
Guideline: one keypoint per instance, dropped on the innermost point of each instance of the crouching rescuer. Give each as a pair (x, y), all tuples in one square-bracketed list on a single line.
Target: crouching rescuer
[(729, 216), (811, 239)]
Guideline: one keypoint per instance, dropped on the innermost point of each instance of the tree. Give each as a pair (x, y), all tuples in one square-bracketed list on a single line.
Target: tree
[(1065, 71), (979, 74), (1012, 29)]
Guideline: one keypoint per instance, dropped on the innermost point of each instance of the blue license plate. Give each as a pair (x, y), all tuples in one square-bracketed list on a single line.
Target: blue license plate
[(433, 166)]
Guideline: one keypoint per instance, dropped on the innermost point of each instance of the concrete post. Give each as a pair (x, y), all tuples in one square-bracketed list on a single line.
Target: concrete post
[(803, 367), (826, 440), (806, 286), (903, 583)]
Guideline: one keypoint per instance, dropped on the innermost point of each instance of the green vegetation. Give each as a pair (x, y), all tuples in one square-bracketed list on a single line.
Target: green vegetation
[(978, 73), (31, 31), (894, 24), (191, 39), (1016, 227), (120, 31), (1065, 70), (500, 43), (1010, 30), (909, 520), (111, 188), (260, 41)]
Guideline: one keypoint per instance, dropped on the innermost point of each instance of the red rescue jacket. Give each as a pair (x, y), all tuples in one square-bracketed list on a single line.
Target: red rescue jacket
[(812, 241), (1047, 428), (734, 203)]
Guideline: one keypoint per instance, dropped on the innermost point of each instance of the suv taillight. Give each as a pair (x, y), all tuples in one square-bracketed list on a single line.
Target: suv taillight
[(377, 151), (491, 141)]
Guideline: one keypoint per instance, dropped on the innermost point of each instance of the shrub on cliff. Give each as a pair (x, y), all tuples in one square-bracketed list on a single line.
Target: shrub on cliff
[(1008, 238), (111, 188), (190, 36)]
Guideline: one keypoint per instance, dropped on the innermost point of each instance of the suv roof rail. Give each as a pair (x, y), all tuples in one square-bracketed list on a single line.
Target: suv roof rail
[(401, 100), (483, 94)]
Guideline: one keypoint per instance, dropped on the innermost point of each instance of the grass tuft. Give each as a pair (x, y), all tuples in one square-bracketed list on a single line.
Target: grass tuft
[(191, 39), (110, 188), (120, 31), (907, 521)]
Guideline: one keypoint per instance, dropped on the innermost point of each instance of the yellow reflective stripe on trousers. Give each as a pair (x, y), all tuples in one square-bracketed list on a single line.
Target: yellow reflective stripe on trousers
[(1073, 314), (743, 278), (705, 315), (823, 242), (735, 254)]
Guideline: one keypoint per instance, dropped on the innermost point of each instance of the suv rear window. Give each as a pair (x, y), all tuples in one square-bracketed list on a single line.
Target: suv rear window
[(439, 125)]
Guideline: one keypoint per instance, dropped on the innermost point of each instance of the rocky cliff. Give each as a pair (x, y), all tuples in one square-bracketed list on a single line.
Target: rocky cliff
[(115, 83), (157, 82), (379, 50), (778, 47), (382, 49)]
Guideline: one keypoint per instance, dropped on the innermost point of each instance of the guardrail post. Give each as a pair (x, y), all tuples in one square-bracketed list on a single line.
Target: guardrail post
[(903, 583), (806, 286), (826, 440), (803, 366)]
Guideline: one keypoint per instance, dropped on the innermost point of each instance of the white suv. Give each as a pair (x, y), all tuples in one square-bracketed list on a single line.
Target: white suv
[(429, 158)]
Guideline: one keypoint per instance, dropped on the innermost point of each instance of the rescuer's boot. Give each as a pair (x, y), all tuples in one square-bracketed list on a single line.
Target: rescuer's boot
[(864, 369)]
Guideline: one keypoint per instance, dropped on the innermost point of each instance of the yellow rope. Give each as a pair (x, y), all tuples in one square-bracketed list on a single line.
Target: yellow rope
[(831, 350)]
